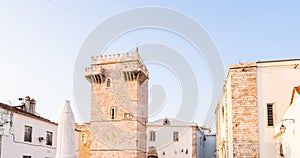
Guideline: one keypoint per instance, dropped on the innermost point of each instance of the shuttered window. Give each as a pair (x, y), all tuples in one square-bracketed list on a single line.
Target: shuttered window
[(270, 114)]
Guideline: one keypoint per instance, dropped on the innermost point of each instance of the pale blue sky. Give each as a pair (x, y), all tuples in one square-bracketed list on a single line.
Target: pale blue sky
[(39, 40)]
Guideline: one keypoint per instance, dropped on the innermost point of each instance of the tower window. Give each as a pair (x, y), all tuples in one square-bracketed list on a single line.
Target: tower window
[(270, 114), (108, 82), (152, 136), (175, 137), (113, 113)]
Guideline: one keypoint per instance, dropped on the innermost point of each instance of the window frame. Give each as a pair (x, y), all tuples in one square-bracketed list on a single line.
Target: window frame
[(152, 136), (272, 116), (49, 141), (83, 138), (28, 138), (108, 83), (175, 136)]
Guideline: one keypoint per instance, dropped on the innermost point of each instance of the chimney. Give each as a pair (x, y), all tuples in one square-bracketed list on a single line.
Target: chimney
[(32, 104), (29, 105)]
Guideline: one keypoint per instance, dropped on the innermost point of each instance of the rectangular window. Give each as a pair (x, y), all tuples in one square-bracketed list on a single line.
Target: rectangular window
[(49, 138), (26, 156), (152, 136), (175, 137), (28, 134), (270, 114), (83, 138)]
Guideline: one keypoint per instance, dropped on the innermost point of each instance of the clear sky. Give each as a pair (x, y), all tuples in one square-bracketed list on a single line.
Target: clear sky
[(40, 41)]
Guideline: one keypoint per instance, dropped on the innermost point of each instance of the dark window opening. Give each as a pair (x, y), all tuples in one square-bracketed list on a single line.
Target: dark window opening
[(108, 82), (113, 112), (175, 137), (28, 134), (166, 122), (49, 138), (152, 136), (270, 114)]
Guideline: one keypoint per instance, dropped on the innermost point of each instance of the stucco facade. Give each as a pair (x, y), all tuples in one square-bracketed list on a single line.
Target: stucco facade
[(287, 141), (83, 140), (119, 110), (23, 133), (255, 95), (38, 141), (173, 138)]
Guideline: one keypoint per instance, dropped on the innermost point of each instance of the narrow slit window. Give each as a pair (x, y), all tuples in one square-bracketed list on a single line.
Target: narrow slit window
[(270, 114), (113, 112), (108, 82)]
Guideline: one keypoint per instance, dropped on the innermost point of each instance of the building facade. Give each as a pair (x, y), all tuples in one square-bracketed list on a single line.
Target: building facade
[(24, 134), (83, 140), (119, 110), (287, 131), (173, 138), (255, 96)]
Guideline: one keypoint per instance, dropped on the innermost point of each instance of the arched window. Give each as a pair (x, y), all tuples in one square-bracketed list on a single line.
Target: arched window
[(108, 82)]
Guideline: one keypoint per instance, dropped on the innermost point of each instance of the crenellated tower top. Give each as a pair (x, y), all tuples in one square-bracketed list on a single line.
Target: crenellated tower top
[(132, 64), (114, 58)]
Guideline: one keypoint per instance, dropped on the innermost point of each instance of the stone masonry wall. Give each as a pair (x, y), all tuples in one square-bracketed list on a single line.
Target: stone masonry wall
[(125, 135), (244, 111)]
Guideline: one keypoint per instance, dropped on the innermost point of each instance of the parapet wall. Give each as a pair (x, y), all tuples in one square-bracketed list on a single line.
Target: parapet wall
[(113, 58)]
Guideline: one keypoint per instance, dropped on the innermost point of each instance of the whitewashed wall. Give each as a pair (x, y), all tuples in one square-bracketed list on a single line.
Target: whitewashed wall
[(14, 145), (275, 80), (164, 139), (291, 136)]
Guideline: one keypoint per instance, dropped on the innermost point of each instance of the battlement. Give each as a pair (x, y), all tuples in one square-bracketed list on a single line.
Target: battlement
[(113, 58), (133, 67)]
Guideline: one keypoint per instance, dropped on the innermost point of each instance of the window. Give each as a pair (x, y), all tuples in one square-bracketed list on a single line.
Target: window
[(26, 156), (28, 134), (49, 138), (223, 113), (113, 113), (83, 138), (175, 137), (108, 82), (166, 122), (152, 136), (270, 114)]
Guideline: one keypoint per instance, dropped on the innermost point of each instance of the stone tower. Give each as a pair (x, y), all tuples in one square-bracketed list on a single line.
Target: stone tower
[(119, 112)]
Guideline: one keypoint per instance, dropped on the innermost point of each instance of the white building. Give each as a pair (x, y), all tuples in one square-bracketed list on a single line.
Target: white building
[(24, 134), (287, 132), (173, 139), (255, 97)]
